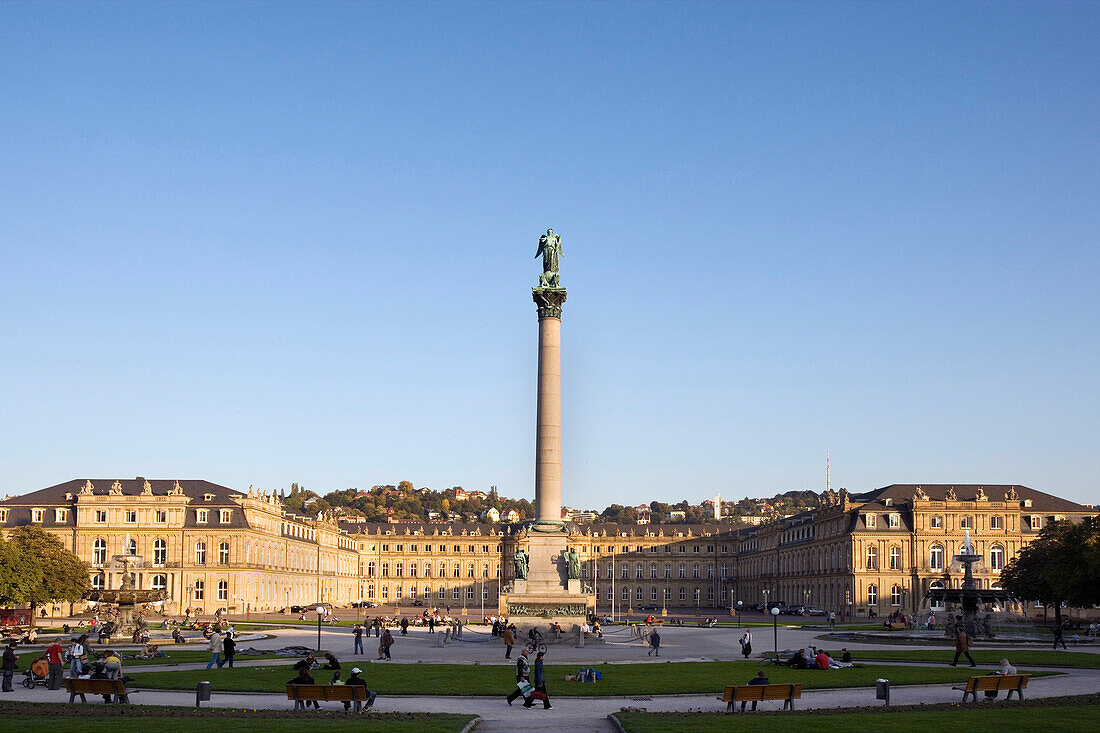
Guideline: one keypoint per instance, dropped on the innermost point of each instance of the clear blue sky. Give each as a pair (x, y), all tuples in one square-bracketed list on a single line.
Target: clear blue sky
[(259, 243)]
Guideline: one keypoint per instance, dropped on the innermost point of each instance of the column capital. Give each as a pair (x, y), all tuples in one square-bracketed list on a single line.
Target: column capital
[(549, 301)]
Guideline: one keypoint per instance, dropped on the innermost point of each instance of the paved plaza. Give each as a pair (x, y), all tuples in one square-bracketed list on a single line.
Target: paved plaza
[(678, 644)]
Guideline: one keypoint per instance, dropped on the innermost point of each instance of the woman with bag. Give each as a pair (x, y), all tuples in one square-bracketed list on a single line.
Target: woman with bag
[(539, 693), (746, 643)]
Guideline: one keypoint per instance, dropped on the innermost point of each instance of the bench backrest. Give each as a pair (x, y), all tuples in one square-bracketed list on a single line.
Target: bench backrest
[(992, 682), (335, 693), (95, 687), (752, 693)]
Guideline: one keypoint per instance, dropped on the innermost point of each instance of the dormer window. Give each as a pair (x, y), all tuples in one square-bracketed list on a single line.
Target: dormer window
[(208, 497), (225, 515), (3, 516), (60, 515), (869, 521), (37, 515), (201, 516), (1036, 522), (895, 520)]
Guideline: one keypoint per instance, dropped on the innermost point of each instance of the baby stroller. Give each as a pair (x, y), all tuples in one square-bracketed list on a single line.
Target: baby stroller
[(37, 674)]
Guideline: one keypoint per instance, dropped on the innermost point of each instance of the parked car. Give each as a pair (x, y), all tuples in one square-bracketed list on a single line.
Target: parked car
[(812, 611), (418, 603), (649, 607), (795, 610)]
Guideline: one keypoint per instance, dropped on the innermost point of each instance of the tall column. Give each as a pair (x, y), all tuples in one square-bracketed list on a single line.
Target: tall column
[(548, 421)]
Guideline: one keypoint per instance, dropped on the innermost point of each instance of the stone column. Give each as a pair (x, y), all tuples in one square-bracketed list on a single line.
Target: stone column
[(548, 421)]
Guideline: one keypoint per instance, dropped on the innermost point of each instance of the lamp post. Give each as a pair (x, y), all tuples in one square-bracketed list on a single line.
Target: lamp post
[(775, 632), (766, 606), (848, 603), (320, 615), (739, 604)]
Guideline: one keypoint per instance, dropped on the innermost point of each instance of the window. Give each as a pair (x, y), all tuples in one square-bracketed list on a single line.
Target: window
[(400, 569), (160, 552), (724, 571), (966, 523), (936, 557), (223, 590), (652, 594), (370, 591), (131, 547), (457, 570), (895, 521), (470, 593), (442, 595), (200, 553), (201, 516), (668, 595), (37, 515), (161, 516), (397, 591), (97, 581), (412, 570), (869, 521), (469, 570), (625, 571), (427, 569), (455, 593), (385, 592), (683, 593), (937, 605), (895, 595), (710, 571), (370, 569), (895, 558), (682, 570), (872, 595), (695, 571), (639, 571), (485, 570), (1035, 521), (385, 570), (996, 557), (872, 557), (160, 582), (200, 590), (412, 591), (223, 553), (101, 516), (668, 571), (626, 593), (60, 515), (129, 516), (99, 551), (653, 570), (225, 516), (995, 522)]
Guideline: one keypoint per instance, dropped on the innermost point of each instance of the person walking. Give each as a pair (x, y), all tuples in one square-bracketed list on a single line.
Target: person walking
[(746, 643), (1058, 637), (384, 645), (523, 671), (832, 619), (962, 646), (358, 633), (11, 663), (540, 684), (76, 656), (509, 641), (404, 626), (215, 647), (654, 643), (229, 647), (54, 654)]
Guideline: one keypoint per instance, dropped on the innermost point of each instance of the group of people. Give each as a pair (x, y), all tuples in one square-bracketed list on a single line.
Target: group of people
[(526, 687), (811, 657), (309, 663)]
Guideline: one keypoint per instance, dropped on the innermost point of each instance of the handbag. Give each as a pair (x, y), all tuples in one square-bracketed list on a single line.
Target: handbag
[(525, 688)]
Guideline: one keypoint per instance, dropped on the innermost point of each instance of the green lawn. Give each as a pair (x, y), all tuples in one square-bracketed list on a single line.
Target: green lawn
[(440, 723), (1031, 657), (983, 717), (618, 679)]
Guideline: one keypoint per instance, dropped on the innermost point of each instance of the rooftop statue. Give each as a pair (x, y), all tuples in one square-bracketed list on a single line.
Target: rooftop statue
[(550, 249)]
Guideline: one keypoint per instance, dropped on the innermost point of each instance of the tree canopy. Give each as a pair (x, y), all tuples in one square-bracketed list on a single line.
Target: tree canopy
[(1059, 567), (19, 575), (61, 575)]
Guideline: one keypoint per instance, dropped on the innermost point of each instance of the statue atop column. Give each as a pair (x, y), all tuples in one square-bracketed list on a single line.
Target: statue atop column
[(550, 249)]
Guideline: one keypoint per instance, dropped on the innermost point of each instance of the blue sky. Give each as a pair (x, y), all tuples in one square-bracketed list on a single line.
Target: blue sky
[(261, 243)]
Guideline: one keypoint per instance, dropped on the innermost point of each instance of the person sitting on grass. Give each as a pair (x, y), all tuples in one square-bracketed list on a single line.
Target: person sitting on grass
[(331, 662), (307, 662)]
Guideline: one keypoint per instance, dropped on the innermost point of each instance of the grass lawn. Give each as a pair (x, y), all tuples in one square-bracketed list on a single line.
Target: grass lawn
[(1032, 657), (618, 679), (998, 716)]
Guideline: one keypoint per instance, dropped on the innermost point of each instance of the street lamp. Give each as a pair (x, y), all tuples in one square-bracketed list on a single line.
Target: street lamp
[(320, 615), (739, 604), (775, 632)]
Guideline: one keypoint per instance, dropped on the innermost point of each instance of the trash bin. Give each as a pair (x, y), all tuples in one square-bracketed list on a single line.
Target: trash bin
[(202, 692), (882, 690)]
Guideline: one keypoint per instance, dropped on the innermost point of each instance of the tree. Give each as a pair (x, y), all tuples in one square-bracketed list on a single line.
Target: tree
[(1058, 567), (19, 575), (64, 575)]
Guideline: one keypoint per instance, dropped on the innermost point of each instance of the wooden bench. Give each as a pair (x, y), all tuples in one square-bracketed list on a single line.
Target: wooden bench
[(994, 683), (115, 688), (301, 694), (756, 693)]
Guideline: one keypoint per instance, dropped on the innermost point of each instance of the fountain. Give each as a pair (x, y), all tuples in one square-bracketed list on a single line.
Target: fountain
[(969, 598), (125, 598)]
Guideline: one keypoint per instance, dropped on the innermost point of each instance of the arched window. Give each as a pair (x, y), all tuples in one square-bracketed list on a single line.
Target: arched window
[(385, 570), (160, 582), (428, 569), (223, 590), (996, 557), (485, 570), (625, 571), (131, 547), (935, 559), (872, 595), (223, 553), (695, 571), (456, 569), (469, 570), (653, 570), (99, 551), (639, 571), (682, 570), (160, 552), (400, 570), (412, 570), (895, 595), (895, 558), (97, 581), (370, 570), (200, 553), (442, 568), (872, 557), (937, 605), (668, 571)]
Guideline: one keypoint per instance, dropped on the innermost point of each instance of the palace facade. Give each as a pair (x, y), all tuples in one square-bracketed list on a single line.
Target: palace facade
[(209, 547)]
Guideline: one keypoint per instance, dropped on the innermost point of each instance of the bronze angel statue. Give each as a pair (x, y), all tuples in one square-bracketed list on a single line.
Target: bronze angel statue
[(550, 249)]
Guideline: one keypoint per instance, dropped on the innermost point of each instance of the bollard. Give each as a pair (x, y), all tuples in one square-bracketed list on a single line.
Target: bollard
[(580, 636), (882, 690), (202, 692)]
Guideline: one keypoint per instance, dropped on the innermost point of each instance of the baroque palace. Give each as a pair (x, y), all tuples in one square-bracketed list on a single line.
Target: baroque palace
[(210, 547)]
